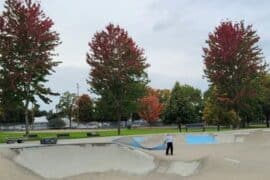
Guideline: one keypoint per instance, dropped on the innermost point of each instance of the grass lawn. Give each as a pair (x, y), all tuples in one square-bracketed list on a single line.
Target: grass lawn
[(103, 133)]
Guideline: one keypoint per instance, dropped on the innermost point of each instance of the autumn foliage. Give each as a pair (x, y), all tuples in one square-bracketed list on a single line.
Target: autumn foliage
[(117, 71), (150, 107), (234, 64), (27, 44), (84, 108)]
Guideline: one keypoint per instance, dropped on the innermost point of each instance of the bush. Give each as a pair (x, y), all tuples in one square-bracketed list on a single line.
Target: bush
[(56, 123), (234, 119)]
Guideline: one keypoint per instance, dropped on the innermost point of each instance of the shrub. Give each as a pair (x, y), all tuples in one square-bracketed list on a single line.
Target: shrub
[(56, 123)]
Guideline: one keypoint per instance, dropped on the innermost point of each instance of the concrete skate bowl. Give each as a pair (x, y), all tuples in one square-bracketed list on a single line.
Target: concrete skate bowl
[(141, 142), (63, 161)]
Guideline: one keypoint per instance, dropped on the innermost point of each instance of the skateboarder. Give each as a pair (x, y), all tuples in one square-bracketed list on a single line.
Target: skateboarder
[(169, 141)]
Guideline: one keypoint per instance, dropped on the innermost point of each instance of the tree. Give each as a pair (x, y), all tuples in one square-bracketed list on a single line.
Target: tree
[(56, 123), (164, 95), (101, 110), (213, 113), (10, 104), (265, 98), (27, 50), (150, 107), (253, 111), (66, 104), (16, 115), (117, 70), (184, 105), (234, 64), (84, 108)]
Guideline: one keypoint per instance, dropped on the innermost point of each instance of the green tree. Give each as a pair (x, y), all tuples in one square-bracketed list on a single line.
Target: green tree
[(265, 98), (56, 123), (234, 64), (65, 105), (184, 105), (253, 111), (213, 112), (164, 95), (117, 73), (27, 44)]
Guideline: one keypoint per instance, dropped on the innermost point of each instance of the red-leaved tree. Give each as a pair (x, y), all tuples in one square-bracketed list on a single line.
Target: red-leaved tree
[(84, 108), (27, 49), (150, 107), (234, 64), (117, 72)]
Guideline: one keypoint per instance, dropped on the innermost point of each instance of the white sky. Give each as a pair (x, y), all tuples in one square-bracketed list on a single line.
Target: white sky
[(172, 32)]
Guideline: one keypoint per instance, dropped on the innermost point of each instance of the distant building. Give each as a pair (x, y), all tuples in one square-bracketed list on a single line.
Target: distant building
[(40, 122), (66, 120)]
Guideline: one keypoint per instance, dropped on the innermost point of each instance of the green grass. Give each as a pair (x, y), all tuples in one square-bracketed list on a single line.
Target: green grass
[(103, 133), (4, 135)]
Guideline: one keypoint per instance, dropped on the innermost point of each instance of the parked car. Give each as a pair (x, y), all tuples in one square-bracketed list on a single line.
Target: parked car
[(93, 125), (106, 124), (135, 125), (139, 123), (123, 124)]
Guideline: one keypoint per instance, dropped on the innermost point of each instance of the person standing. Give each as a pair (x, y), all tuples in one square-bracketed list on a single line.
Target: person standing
[(169, 141)]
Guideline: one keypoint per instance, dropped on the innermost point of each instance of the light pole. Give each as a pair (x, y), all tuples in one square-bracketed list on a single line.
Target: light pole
[(78, 89), (78, 107)]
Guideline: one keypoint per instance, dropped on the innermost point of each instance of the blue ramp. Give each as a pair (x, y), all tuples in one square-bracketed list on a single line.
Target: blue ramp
[(200, 139), (136, 142)]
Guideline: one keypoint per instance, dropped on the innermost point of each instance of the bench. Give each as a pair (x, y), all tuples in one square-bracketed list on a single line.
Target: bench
[(31, 136), (195, 125), (63, 135), (92, 134), (48, 141), (14, 140)]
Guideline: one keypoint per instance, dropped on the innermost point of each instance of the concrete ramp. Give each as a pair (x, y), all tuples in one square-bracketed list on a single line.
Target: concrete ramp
[(70, 160), (136, 142)]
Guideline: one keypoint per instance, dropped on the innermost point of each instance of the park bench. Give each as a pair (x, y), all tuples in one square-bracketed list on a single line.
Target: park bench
[(92, 134), (195, 125), (12, 140), (48, 141), (63, 135), (31, 136)]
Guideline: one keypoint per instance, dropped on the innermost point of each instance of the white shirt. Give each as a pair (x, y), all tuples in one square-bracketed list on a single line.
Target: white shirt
[(169, 139)]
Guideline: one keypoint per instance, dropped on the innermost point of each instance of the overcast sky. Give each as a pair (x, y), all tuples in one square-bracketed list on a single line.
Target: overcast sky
[(172, 32)]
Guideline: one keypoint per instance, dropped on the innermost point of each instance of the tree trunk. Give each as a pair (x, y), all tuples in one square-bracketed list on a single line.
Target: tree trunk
[(267, 121), (119, 115), (70, 123), (248, 122), (70, 117), (5, 115), (33, 117), (118, 123), (179, 127), (243, 124), (178, 120), (26, 118), (218, 127), (238, 121)]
